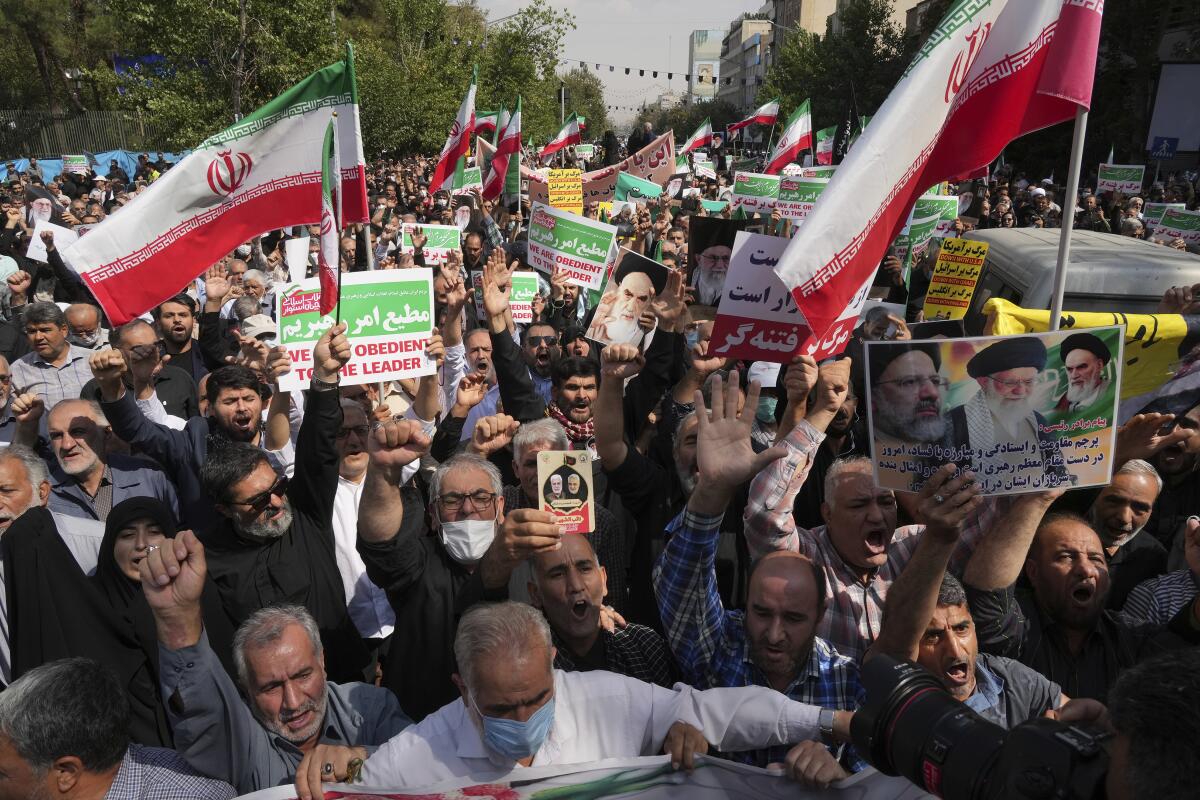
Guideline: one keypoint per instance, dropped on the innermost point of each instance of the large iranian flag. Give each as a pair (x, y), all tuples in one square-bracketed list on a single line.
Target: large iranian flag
[(331, 228), (508, 151), (700, 138), (796, 138), (824, 149), (261, 174), (458, 143), (991, 71), (766, 114), (569, 134), (486, 122)]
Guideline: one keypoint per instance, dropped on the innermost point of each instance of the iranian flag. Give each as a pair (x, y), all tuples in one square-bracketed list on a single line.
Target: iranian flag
[(486, 122), (331, 229), (508, 154), (458, 143), (766, 114), (261, 174), (701, 138), (825, 138), (505, 116), (991, 71), (567, 136), (796, 138)]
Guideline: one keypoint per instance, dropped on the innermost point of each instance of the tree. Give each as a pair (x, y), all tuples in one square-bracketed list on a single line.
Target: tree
[(585, 96)]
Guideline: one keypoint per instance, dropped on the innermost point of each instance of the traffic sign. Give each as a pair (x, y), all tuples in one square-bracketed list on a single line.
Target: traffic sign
[(1163, 147)]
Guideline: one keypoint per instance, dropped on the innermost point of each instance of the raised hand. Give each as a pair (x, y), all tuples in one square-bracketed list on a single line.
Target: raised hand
[(669, 306), (496, 281), (799, 379), (172, 583), (418, 238), (48, 240), (331, 353), (902, 331), (471, 390), (395, 444), (27, 408), (216, 285), (704, 364), (558, 283), (435, 349), (279, 363), (723, 453), (945, 501), (524, 532), (833, 384), (492, 434), (1146, 434), (108, 366), (19, 283), (620, 362)]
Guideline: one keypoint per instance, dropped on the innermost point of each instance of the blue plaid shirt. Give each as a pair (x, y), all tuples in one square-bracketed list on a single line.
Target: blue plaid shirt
[(154, 773), (710, 643)]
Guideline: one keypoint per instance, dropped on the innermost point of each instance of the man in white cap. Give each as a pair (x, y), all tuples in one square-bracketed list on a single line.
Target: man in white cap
[(766, 424)]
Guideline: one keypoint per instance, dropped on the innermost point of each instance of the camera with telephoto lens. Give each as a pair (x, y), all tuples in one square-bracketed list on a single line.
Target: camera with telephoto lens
[(912, 727)]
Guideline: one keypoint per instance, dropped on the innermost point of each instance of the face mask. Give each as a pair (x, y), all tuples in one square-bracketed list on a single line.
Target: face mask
[(441, 203), (87, 342), (766, 409), (693, 338), (517, 740), (466, 540)]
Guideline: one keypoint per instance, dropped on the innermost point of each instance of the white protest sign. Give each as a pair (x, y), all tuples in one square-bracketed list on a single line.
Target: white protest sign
[(581, 247), (439, 241), (295, 253), (63, 238)]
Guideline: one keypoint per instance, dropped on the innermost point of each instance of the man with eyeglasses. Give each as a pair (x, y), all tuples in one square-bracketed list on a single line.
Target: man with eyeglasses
[(8, 423), (275, 543), (712, 263)]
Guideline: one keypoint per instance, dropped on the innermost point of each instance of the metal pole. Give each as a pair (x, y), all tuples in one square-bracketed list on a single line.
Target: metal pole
[(1068, 221), (562, 103)]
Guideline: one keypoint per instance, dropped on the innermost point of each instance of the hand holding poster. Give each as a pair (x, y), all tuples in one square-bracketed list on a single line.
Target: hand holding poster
[(755, 192), (1179, 224), (1125, 178), (389, 320), (579, 246), (566, 189), (565, 489), (63, 238), (631, 187), (758, 320), (797, 196), (955, 276), (631, 288), (1008, 408), (439, 240)]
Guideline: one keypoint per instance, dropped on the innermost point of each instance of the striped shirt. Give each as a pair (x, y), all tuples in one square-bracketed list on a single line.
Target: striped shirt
[(154, 773), (1158, 600), (30, 373)]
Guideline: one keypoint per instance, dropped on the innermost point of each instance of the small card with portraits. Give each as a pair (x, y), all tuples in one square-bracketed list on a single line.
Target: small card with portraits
[(565, 489)]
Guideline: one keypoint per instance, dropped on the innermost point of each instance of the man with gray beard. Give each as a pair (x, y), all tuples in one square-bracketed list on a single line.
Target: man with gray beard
[(276, 544), (906, 395)]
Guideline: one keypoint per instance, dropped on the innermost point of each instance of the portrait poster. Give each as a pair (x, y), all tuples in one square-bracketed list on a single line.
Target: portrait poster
[(1023, 413), (710, 244), (634, 284), (565, 489), (645, 778)]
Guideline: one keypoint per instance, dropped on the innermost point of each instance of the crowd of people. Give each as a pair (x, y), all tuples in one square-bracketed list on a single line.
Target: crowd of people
[(213, 585)]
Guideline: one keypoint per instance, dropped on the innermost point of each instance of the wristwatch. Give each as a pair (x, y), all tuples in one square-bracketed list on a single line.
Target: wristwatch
[(825, 723), (318, 385)]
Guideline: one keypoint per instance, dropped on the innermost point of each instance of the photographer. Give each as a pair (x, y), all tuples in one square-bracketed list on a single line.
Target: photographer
[(1091, 216)]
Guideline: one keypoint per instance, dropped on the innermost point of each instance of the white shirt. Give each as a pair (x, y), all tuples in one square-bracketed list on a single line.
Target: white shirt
[(597, 715), (367, 603)]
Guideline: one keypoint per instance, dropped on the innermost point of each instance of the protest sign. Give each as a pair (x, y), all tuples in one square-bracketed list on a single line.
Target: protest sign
[(631, 187), (585, 151), (1125, 178), (1162, 369), (76, 164), (1152, 213), (818, 171), (645, 778), (631, 288), (797, 196), (389, 319), (63, 238), (566, 189), (914, 240), (579, 246), (757, 318), (565, 489), (755, 192), (523, 289), (440, 240), (705, 170), (944, 207), (714, 206), (1176, 223), (295, 254), (745, 165), (710, 243), (1003, 407), (955, 276), (471, 179), (654, 162)]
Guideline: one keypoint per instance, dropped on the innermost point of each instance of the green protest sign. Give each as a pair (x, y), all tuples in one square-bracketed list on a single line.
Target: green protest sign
[(587, 151), (521, 292), (1152, 213), (1179, 223), (821, 171), (755, 192), (714, 206), (76, 164), (388, 316), (440, 240), (944, 207), (797, 196), (470, 179), (1120, 178), (631, 187), (913, 241), (578, 246)]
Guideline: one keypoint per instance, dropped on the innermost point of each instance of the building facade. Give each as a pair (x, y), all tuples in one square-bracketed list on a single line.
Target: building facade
[(704, 63), (745, 59)]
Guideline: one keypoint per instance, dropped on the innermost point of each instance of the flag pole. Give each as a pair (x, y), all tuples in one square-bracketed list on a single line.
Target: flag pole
[(1068, 222), (770, 142), (337, 224)]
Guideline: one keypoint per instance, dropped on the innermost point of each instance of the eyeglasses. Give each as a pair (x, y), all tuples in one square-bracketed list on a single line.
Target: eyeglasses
[(913, 383), (534, 341), (360, 431), (715, 259), (1028, 383), (5, 379), (481, 500), (259, 502)]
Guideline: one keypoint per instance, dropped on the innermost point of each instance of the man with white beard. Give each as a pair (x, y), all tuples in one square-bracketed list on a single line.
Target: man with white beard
[(712, 264), (618, 314), (1084, 357), (1000, 423)]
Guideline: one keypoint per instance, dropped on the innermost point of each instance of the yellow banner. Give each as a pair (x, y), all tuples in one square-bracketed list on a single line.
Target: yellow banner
[(954, 279), (566, 189)]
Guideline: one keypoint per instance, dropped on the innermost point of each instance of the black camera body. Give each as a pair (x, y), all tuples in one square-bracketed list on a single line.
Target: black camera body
[(912, 727)]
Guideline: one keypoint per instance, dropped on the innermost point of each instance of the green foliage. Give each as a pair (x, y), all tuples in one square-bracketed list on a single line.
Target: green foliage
[(685, 119)]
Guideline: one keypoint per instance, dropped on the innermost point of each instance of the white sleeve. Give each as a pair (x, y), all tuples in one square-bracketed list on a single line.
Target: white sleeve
[(153, 410), (453, 369), (733, 719)]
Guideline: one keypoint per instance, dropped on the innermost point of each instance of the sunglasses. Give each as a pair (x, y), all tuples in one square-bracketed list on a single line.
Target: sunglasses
[(259, 502), (534, 341)]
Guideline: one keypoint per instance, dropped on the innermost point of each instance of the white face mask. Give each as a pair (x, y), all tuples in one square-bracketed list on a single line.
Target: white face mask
[(466, 540)]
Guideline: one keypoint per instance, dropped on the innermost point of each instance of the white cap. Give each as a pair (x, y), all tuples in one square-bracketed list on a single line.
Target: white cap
[(765, 372), (1038, 192), (257, 325)]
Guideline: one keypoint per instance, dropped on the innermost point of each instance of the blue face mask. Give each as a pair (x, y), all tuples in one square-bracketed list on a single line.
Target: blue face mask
[(517, 740), (693, 338), (766, 409)]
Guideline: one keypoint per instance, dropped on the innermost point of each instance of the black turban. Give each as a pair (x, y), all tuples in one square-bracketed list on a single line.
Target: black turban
[(881, 355), (1013, 353), (1085, 341)]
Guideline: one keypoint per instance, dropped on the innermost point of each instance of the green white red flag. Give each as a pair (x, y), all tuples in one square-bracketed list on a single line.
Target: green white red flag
[(795, 139), (766, 114), (824, 148), (701, 138), (331, 229), (486, 122), (458, 143), (508, 151), (261, 174), (991, 71), (569, 134)]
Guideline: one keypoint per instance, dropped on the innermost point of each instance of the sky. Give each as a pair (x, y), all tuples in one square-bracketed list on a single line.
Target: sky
[(643, 34)]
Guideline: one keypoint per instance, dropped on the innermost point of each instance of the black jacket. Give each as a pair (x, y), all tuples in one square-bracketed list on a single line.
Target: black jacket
[(174, 387)]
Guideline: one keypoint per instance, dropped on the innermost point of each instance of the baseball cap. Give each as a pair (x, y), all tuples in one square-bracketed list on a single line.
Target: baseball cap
[(257, 326)]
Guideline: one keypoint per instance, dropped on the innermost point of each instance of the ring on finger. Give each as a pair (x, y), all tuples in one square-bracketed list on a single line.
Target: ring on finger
[(328, 768), (937, 498)]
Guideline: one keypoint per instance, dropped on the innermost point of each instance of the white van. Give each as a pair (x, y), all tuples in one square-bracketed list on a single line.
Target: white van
[(1106, 272)]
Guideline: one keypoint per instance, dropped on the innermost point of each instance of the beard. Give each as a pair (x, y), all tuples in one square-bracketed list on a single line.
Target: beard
[(791, 666), (278, 726), (78, 466), (1009, 414), (908, 426), (1083, 394), (687, 479), (269, 530), (709, 286), (623, 331), (1107, 537)]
